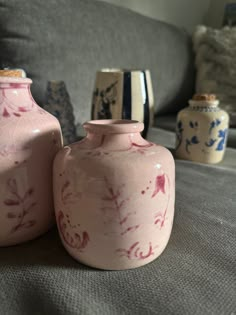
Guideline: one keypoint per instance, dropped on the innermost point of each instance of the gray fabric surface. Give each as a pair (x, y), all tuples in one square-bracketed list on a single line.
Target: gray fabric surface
[(168, 122), (196, 274), (70, 39)]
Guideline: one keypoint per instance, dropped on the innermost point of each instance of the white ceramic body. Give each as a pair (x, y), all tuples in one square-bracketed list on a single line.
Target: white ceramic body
[(29, 140), (123, 94), (201, 132), (114, 196)]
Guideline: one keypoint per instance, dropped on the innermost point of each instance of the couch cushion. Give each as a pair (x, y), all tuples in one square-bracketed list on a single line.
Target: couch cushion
[(216, 66), (70, 39)]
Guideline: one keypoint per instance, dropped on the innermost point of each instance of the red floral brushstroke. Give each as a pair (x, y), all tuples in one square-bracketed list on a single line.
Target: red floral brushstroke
[(135, 252), (140, 148), (116, 202), (21, 206), (73, 239), (67, 194), (97, 151), (10, 109), (160, 183), (5, 113)]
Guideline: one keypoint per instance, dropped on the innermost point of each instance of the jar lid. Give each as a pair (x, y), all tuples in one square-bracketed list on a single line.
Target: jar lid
[(204, 100), (204, 97), (19, 73)]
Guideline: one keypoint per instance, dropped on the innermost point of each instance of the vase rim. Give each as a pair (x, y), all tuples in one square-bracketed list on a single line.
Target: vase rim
[(121, 70), (113, 126), (9, 80)]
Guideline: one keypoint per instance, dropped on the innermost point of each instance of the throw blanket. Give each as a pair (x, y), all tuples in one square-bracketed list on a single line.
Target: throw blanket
[(216, 65)]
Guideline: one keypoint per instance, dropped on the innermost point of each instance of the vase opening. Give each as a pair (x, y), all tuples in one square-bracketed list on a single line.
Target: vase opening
[(113, 126), (121, 70)]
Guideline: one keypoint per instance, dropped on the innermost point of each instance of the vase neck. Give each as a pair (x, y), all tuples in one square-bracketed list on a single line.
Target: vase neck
[(115, 135), (203, 104), (15, 96)]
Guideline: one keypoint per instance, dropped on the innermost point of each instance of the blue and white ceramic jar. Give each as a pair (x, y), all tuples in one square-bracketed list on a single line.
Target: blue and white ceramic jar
[(201, 130)]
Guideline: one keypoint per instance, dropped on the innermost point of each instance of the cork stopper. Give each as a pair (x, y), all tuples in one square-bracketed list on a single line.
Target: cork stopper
[(204, 97), (12, 73), (204, 100)]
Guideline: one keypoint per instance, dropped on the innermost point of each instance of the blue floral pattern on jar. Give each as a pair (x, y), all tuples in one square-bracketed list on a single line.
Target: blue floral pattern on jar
[(179, 134), (194, 139), (221, 136)]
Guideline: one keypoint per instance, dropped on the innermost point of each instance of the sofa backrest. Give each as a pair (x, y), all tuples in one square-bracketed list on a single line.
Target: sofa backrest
[(70, 39)]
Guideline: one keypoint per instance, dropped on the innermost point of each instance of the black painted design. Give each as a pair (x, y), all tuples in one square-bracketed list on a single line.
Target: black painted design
[(106, 98), (127, 96), (146, 108)]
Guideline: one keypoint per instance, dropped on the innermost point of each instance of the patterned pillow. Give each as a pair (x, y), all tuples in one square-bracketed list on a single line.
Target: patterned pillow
[(216, 65)]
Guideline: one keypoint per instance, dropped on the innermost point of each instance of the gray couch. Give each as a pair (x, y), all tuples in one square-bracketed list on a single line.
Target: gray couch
[(196, 274)]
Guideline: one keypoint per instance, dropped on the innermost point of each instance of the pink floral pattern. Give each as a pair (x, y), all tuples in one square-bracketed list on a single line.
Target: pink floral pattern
[(10, 109), (71, 232), (135, 251), (140, 148), (68, 196), (75, 239), (160, 183), (131, 146), (21, 206), (116, 209)]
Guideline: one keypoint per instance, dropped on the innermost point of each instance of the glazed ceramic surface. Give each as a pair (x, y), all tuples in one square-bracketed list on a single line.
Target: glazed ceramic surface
[(201, 132), (114, 196), (29, 140), (124, 94)]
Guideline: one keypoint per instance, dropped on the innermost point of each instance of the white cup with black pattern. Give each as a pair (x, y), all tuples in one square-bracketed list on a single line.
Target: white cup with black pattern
[(123, 94)]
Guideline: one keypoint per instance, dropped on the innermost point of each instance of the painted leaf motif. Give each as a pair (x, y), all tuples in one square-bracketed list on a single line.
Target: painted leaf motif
[(29, 224), (12, 186), (22, 109), (210, 143), (220, 145), (159, 185), (218, 122), (221, 133), (30, 207), (191, 124), (11, 202), (11, 215), (85, 240), (213, 124), (179, 124), (194, 140), (5, 113), (28, 193)]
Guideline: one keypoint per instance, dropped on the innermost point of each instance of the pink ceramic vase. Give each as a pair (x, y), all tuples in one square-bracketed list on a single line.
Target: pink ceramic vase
[(114, 196), (29, 140)]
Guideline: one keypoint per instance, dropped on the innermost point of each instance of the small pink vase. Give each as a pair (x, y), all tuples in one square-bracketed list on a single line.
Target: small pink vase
[(29, 140), (114, 196)]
